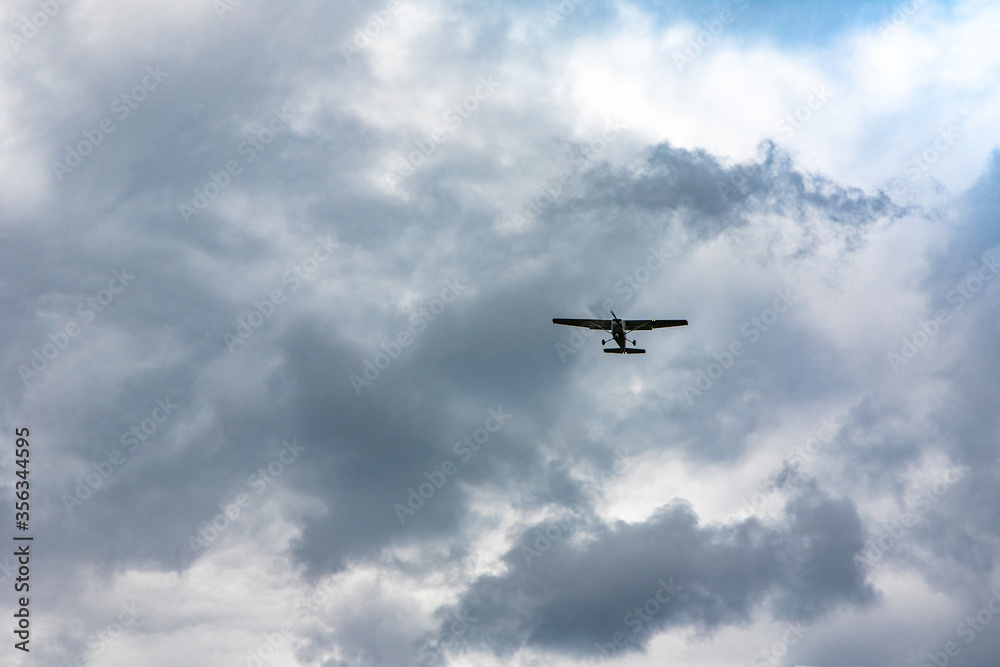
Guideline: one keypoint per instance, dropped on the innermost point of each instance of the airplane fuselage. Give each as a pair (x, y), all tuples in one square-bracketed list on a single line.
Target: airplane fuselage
[(618, 332)]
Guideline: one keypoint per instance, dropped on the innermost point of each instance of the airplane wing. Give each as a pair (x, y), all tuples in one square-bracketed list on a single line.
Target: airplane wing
[(646, 325), (603, 325)]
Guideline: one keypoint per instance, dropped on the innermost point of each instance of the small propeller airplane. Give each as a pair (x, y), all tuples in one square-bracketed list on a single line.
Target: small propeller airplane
[(619, 329)]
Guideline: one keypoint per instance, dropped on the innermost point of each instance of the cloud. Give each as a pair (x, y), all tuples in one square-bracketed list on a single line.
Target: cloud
[(579, 171), (572, 587)]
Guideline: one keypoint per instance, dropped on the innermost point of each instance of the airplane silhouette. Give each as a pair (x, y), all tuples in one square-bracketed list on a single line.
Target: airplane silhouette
[(619, 329)]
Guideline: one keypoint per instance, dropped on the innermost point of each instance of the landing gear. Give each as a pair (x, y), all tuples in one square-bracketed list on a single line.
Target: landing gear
[(605, 342)]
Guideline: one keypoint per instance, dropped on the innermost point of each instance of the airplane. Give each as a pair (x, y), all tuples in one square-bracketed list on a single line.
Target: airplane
[(619, 328)]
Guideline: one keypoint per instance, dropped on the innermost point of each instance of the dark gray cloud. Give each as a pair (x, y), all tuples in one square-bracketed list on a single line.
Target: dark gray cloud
[(574, 588)]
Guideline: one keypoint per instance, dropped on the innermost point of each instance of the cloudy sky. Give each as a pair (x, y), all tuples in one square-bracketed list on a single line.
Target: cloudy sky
[(277, 290)]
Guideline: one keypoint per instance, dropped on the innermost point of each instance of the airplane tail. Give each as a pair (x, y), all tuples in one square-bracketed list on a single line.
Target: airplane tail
[(618, 350)]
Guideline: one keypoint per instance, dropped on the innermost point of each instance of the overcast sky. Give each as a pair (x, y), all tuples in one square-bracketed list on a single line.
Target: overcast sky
[(277, 290)]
